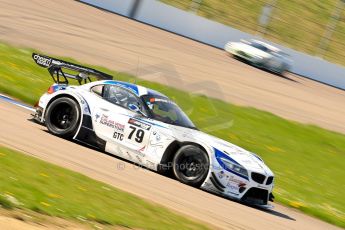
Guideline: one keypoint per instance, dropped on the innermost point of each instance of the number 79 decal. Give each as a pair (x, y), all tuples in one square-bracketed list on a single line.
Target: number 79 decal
[(138, 133)]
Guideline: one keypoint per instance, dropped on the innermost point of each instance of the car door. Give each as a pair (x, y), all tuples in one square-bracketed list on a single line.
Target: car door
[(118, 119)]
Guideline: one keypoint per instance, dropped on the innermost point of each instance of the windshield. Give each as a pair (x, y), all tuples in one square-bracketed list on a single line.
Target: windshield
[(165, 110), (283, 54), (260, 47)]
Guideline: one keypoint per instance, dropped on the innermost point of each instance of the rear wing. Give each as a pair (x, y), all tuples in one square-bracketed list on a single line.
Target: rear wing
[(57, 69)]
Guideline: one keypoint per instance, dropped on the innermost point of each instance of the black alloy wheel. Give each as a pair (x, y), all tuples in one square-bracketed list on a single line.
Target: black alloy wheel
[(191, 165), (62, 117)]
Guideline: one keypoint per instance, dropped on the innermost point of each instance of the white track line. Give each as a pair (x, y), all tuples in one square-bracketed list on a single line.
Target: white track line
[(17, 103)]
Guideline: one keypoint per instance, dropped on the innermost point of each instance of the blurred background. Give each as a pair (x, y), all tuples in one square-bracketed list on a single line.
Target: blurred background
[(315, 27)]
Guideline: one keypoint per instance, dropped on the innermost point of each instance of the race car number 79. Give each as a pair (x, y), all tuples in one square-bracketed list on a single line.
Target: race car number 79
[(139, 134)]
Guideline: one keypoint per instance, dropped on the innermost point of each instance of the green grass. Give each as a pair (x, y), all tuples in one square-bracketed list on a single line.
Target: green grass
[(308, 161), (297, 24), (55, 191), (6, 203)]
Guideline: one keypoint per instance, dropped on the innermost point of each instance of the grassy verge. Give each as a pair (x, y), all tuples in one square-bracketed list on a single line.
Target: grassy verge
[(308, 161), (304, 34), (26, 182)]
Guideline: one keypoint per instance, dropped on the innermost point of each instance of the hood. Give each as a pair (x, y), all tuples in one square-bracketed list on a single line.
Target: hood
[(248, 160), (251, 50)]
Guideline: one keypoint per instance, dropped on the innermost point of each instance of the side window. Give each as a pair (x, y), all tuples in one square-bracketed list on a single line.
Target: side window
[(122, 97), (98, 89)]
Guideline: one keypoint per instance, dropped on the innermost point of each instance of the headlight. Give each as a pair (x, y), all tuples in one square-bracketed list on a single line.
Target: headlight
[(234, 167)]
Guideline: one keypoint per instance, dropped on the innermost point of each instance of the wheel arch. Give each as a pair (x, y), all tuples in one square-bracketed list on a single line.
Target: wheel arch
[(83, 106), (59, 96), (165, 166)]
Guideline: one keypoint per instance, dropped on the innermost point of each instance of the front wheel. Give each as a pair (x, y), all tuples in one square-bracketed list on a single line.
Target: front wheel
[(191, 165), (283, 70), (62, 117)]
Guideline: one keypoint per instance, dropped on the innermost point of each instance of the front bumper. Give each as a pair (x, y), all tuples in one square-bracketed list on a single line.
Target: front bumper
[(248, 190), (247, 57)]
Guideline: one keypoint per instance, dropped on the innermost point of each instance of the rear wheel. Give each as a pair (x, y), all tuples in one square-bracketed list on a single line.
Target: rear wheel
[(190, 165), (62, 117)]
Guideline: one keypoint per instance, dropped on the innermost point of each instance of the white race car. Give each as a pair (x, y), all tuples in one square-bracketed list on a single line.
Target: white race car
[(261, 55), (146, 127)]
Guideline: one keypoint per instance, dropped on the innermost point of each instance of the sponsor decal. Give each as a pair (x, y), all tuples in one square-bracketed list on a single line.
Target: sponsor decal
[(158, 137), (139, 124), (118, 136), (232, 186), (42, 61), (112, 124), (233, 179), (119, 127), (221, 174)]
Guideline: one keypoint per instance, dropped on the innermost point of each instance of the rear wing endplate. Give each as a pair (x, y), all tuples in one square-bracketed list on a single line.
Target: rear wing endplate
[(57, 69)]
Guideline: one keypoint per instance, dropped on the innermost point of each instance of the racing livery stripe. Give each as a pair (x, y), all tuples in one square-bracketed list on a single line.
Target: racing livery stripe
[(151, 123), (144, 121), (126, 85), (219, 154), (155, 93)]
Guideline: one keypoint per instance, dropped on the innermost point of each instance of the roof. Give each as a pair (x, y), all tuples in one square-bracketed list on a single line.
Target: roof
[(136, 89), (273, 48)]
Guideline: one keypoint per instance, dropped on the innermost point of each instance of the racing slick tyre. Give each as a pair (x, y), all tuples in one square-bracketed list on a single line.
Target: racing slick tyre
[(62, 117), (190, 165)]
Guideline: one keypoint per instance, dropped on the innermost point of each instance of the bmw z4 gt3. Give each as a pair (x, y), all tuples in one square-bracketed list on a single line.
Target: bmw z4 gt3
[(146, 127)]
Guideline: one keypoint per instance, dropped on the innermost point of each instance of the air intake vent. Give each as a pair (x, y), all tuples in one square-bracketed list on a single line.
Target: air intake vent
[(269, 180), (256, 196), (257, 177)]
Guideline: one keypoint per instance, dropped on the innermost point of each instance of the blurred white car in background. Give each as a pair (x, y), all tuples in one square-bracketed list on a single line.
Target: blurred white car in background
[(261, 55)]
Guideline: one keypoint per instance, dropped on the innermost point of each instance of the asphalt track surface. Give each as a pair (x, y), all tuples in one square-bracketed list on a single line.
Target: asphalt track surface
[(69, 28), (19, 133)]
